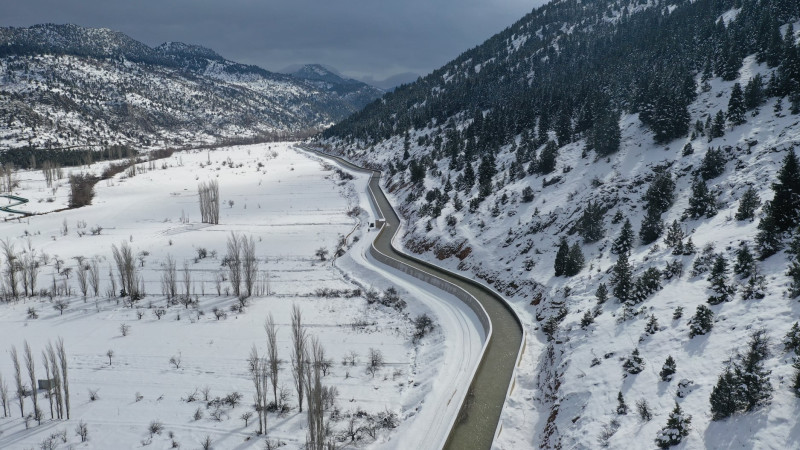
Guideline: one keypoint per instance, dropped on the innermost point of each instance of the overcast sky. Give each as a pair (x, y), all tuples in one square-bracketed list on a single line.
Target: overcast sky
[(362, 38)]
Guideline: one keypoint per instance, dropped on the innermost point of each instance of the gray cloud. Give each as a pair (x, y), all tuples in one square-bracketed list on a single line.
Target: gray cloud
[(362, 38)]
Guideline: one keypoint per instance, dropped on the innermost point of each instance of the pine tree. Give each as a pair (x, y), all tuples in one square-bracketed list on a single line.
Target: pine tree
[(718, 126), (748, 204), (768, 239), (622, 408), (668, 369), (486, 172), (601, 294), (688, 247), (634, 363), (562, 256), (754, 92), (590, 225), (677, 428), (736, 107), (791, 342), (755, 388), (745, 266), (688, 149), (624, 241), (724, 399), (661, 192), (575, 261), (547, 159), (587, 319), (647, 284), (652, 226), (702, 322), (796, 378), (785, 205), (755, 288), (622, 279), (606, 134), (713, 164), (702, 202), (794, 279), (563, 128), (652, 325), (469, 177), (674, 238), (794, 245), (719, 281)]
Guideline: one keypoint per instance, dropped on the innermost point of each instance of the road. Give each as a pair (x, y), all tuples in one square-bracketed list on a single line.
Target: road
[(480, 413)]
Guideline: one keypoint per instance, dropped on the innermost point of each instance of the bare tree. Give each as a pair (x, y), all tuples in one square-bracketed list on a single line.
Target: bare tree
[(49, 375), (113, 291), (31, 366), (234, 261), (187, 279), (272, 355), (315, 439), (126, 268), (94, 276), (208, 194), (169, 283), (81, 274), (110, 354), (62, 360), (18, 381), (259, 374), (298, 354), (374, 361), (30, 271), (4, 401), (56, 382), (82, 430), (60, 305), (12, 267), (249, 263)]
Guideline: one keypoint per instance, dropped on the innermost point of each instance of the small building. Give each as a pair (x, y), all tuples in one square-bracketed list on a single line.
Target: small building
[(46, 384)]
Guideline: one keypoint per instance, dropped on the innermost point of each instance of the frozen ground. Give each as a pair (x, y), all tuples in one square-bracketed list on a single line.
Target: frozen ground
[(292, 205)]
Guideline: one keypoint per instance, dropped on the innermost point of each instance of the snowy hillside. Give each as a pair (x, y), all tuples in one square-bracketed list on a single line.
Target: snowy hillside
[(489, 190), (64, 85)]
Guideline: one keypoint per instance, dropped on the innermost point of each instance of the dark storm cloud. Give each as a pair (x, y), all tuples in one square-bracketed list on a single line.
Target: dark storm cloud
[(362, 38)]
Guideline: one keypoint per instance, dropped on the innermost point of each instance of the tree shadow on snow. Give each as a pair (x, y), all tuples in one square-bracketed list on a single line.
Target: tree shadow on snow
[(735, 432)]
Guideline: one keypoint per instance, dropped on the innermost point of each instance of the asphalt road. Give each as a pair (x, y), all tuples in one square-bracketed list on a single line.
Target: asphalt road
[(480, 415)]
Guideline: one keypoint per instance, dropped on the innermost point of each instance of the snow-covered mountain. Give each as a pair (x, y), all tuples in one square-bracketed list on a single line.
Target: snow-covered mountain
[(65, 85), (354, 92), (582, 116)]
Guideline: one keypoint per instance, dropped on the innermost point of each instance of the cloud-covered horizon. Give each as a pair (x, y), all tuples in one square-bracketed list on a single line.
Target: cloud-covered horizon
[(363, 39)]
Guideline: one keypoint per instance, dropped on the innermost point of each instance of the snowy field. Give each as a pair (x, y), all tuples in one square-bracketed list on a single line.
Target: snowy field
[(291, 205)]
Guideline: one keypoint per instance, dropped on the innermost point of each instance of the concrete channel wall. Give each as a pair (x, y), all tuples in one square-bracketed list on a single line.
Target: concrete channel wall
[(446, 286)]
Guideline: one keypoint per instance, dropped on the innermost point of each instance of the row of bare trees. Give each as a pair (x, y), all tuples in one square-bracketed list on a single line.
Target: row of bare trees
[(242, 264), (56, 384), (208, 193), (308, 364)]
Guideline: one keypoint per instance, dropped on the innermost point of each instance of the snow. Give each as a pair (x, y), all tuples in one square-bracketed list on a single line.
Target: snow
[(292, 206), (561, 396)]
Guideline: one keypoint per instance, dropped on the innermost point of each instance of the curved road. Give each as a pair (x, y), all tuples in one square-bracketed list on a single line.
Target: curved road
[(480, 413)]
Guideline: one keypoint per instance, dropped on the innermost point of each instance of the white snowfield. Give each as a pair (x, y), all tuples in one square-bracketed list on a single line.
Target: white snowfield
[(292, 205)]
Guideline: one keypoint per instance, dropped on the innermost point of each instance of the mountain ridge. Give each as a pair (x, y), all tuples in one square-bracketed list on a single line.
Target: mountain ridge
[(60, 81)]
